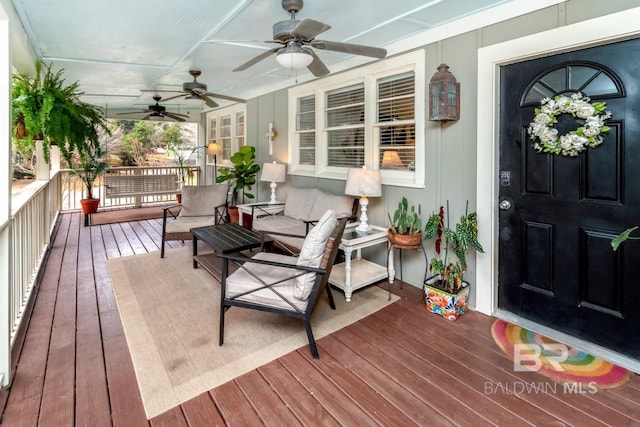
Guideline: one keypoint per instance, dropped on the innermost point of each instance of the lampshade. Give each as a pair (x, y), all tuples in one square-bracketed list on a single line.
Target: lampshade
[(293, 56), (214, 149), (363, 182), (273, 172), (391, 160)]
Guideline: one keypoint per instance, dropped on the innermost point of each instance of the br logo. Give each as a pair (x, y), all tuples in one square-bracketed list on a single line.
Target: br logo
[(532, 357)]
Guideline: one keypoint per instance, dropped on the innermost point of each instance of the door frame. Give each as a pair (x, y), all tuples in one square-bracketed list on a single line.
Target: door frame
[(609, 28)]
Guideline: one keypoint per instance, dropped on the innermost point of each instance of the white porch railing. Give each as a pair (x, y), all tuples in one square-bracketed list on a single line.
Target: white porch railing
[(33, 218)]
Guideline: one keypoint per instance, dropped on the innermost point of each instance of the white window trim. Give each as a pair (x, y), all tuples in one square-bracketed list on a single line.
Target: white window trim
[(369, 74), (218, 115)]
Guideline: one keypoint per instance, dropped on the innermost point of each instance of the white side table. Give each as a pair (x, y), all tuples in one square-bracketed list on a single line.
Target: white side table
[(357, 273), (260, 207)]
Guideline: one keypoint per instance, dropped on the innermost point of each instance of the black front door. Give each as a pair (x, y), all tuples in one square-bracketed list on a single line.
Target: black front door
[(558, 214)]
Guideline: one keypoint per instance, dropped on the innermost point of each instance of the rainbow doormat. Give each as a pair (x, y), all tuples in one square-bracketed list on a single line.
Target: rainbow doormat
[(534, 352)]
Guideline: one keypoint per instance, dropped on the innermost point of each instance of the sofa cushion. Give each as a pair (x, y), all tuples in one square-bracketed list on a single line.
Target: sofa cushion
[(312, 251), (201, 200), (342, 205), (299, 203)]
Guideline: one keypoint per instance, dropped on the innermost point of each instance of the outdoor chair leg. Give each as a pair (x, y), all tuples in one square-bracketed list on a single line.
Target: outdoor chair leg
[(312, 342), (162, 247), (332, 303)]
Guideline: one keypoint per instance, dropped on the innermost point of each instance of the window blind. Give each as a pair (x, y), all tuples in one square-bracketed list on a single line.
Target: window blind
[(396, 121), (306, 129), (344, 123)]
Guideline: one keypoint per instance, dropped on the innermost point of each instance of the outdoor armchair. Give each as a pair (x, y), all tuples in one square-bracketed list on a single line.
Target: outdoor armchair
[(202, 205), (283, 284)]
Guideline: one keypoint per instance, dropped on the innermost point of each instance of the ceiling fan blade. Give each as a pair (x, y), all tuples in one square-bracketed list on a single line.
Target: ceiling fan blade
[(172, 97), (309, 28), (317, 67), (355, 49), (210, 102), (173, 116), (257, 59), (133, 112), (147, 116), (227, 97)]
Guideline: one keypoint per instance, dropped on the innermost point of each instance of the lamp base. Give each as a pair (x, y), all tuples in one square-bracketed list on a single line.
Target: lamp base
[(273, 193), (363, 228)]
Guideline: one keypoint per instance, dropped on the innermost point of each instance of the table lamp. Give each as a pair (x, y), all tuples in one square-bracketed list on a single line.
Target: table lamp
[(363, 183), (273, 172), (391, 160), (213, 149)]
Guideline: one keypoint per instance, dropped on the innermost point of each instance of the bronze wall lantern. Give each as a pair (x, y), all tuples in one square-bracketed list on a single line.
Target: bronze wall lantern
[(444, 96)]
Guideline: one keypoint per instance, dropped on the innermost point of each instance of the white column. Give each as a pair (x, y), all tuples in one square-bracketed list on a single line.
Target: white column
[(43, 169)]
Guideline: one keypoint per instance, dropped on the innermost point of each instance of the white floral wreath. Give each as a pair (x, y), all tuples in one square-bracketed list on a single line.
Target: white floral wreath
[(572, 143)]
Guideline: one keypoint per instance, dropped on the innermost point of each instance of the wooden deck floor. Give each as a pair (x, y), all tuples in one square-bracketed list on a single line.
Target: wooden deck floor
[(401, 366)]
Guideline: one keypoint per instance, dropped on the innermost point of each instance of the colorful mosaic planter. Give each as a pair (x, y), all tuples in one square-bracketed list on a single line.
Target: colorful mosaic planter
[(448, 305)]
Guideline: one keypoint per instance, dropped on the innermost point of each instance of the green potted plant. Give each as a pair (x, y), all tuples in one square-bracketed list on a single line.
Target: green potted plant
[(242, 176), (446, 292), (405, 227), (43, 108), (88, 164)]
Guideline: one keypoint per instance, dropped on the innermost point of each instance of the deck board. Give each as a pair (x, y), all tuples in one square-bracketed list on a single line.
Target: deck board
[(399, 366)]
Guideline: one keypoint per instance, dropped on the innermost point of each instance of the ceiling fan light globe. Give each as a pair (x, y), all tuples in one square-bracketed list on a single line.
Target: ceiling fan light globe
[(293, 60), (193, 101)]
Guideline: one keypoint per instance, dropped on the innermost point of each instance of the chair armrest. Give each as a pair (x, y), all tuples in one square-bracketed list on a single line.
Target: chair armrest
[(221, 213), (242, 259), (168, 210), (263, 212)]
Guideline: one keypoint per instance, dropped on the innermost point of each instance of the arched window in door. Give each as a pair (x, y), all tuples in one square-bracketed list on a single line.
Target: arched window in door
[(593, 80)]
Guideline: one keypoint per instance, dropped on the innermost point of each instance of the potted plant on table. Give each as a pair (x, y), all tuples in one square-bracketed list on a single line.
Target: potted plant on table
[(405, 228), (242, 176), (446, 292)]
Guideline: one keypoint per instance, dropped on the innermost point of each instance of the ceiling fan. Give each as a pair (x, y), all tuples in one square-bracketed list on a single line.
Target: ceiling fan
[(197, 91), (158, 112), (295, 36)]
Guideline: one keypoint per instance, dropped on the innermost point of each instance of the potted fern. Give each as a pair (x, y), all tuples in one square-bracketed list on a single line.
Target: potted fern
[(446, 292), (405, 228), (44, 109)]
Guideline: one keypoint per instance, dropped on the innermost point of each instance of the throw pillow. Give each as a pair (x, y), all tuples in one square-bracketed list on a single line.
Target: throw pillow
[(312, 251)]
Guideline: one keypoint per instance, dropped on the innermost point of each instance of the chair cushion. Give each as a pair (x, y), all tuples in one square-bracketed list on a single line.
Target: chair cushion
[(241, 281), (300, 202), (312, 251), (184, 224), (201, 200)]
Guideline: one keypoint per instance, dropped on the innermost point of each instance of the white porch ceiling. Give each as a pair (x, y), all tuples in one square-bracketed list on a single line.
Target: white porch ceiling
[(116, 48)]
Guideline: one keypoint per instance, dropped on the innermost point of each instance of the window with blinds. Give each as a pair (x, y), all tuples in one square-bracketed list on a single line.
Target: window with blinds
[(306, 130), (396, 121), (344, 124), (225, 136), (239, 130)]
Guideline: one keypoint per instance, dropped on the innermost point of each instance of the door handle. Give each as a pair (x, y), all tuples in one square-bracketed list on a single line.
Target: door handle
[(504, 205)]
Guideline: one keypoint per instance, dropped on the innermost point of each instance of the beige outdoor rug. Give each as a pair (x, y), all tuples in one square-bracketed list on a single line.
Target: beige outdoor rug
[(170, 315)]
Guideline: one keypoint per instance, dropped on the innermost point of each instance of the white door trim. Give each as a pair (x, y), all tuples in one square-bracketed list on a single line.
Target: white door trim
[(593, 32)]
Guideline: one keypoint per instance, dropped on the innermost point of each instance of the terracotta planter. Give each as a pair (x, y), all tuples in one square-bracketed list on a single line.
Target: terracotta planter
[(405, 241), (179, 197), (89, 206), (448, 305), (234, 214)]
